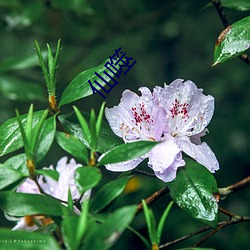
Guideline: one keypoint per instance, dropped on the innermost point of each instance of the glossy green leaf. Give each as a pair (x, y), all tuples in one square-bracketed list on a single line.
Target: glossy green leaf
[(73, 146), (162, 221), (107, 139), (92, 127), (151, 223), (84, 125), (46, 137), (18, 162), (193, 191), (69, 230), (87, 177), (127, 152), (74, 228), (16, 240), (108, 193), (241, 5), (8, 176), (19, 90), (99, 121), (79, 87), (10, 136), (233, 41), (53, 174), (105, 235), (20, 204)]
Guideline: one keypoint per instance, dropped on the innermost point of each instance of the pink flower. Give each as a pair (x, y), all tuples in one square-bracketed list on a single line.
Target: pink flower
[(58, 189), (177, 115)]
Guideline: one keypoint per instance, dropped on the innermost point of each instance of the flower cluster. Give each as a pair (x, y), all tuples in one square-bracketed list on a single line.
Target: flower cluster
[(58, 189), (177, 115)]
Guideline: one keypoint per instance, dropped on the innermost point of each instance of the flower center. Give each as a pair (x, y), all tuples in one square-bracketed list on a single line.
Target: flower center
[(141, 124)]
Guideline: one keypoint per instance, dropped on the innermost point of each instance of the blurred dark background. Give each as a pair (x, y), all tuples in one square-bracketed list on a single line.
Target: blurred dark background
[(169, 40)]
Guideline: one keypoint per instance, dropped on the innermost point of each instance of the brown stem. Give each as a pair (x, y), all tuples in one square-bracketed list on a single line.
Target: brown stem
[(144, 173), (224, 211), (222, 15), (223, 192), (235, 220), (152, 198), (184, 237), (226, 23)]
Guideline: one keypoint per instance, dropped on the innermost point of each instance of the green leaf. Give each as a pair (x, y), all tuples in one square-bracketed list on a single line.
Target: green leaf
[(84, 125), (108, 193), (162, 221), (151, 223), (92, 127), (233, 41), (87, 177), (16, 240), (69, 230), (79, 87), (193, 191), (143, 239), (10, 136), (73, 146), (99, 121), (53, 174), (241, 5), (127, 152), (82, 223), (105, 235), (20, 204), (19, 90), (46, 137), (18, 162), (74, 228), (19, 63), (37, 133), (9, 176), (107, 139)]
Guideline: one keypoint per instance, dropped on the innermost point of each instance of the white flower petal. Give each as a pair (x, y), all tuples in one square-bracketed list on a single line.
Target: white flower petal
[(137, 117), (201, 153), (165, 158), (59, 189), (189, 110), (124, 166), (29, 187)]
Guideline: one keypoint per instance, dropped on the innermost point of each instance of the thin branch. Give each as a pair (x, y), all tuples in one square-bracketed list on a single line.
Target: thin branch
[(223, 192), (222, 15), (144, 173), (152, 198), (224, 211), (235, 220), (204, 229), (226, 23)]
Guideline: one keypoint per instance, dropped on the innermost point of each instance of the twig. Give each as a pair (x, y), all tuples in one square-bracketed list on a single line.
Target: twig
[(144, 173), (223, 192), (152, 198), (235, 220), (226, 23), (224, 211), (204, 229)]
